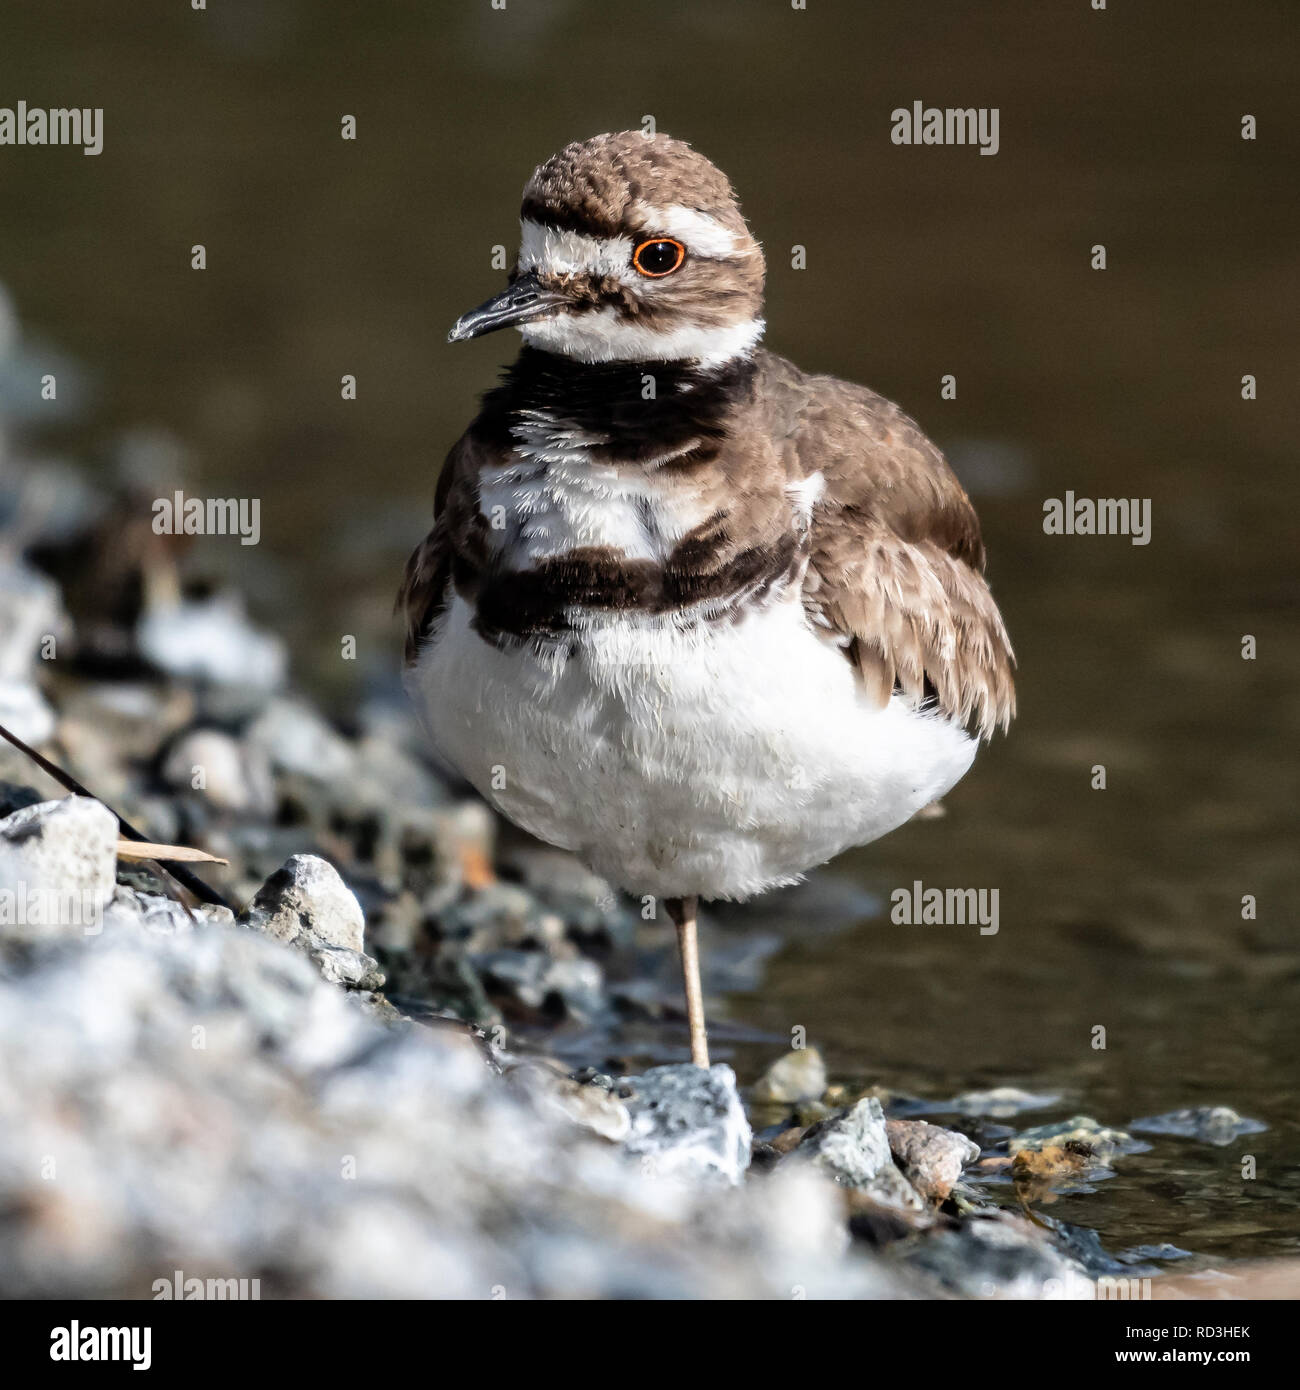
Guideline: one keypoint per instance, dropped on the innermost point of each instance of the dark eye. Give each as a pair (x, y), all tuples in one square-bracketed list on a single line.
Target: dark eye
[(658, 257)]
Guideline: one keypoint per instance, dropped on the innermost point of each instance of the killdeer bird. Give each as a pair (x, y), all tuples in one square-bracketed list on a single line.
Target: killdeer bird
[(698, 617)]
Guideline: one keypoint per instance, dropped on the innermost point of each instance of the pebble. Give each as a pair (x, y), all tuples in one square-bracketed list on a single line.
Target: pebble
[(58, 865), (1000, 1103), (25, 712), (591, 1106), (211, 639), (852, 1147), (305, 904), (1211, 1124), (235, 777), (932, 1158), (1078, 1129), (295, 739), (997, 1255), (31, 610), (798, 1076), (686, 1121)]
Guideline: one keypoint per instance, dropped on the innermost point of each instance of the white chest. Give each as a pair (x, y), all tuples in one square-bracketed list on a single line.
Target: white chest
[(717, 759)]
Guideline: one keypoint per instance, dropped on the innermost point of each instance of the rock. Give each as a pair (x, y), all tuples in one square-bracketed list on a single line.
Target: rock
[(58, 867), (798, 1076), (999, 1103), (31, 610), (211, 639), (295, 739), (931, 1158), (386, 774), (996, 1255), (788, 1139), (1078, 1129), (578, 983), (25, 711), (594, 1107), (852, 1147), (15, 795), (538, 981), (1041, 1173), (686, 1121), (232, 776), (133, 717), (305, 904), (207, 1098), (1141, 1254), (877, 1223), (1211, 1124), (1082, 1246)]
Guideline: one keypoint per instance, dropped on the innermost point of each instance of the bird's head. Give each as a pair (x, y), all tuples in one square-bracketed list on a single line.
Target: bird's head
[(632, 248)]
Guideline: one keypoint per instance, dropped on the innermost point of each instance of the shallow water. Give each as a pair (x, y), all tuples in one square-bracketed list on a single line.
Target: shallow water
[(1118, 908)]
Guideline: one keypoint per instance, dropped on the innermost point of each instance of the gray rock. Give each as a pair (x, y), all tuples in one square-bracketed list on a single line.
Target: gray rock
[(1141, 1254), (686, 1121), (58, 867), (387, 774), (305, 904), (578, 983), (1211, 1124), (206, 1102), (852, 1147), (294, 738), (996, 1255), (156, 914), (798, 1076)]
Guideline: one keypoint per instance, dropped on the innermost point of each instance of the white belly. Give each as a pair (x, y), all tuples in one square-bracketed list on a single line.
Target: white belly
[(716, 760)]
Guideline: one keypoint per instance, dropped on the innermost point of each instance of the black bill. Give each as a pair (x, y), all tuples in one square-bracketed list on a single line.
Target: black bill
[(520, 301)]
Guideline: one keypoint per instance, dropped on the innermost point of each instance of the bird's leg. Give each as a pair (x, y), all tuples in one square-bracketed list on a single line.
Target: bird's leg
[(682, 911)]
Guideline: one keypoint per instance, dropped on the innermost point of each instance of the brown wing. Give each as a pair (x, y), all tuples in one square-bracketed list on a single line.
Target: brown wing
[(896, 566), (427, 580)]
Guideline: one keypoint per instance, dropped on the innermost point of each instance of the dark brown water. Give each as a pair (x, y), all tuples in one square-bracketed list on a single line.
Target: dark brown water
[(1118, 908)]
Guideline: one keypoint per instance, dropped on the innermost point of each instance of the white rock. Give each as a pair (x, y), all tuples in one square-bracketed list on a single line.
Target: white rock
[(307, 905), (31, 610), (25, 712), (688, 1122), (211, 639), (296, 739), (58, 867), (233, 777)]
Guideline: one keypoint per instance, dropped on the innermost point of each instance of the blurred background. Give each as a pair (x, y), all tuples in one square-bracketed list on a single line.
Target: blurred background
[(1119, 908)]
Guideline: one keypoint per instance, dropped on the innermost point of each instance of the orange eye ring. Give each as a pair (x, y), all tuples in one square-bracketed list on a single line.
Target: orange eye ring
[(654, 266)]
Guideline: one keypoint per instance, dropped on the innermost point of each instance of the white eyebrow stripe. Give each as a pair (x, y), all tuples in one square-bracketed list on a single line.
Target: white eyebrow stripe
[(572, 253), (696, 230)]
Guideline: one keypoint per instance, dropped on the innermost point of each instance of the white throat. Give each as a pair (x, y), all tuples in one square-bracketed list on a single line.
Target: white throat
[(601, 336)]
